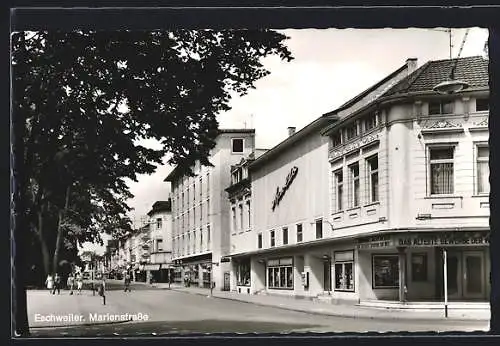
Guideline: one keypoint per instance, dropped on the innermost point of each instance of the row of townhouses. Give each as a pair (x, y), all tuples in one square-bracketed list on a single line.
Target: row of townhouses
[(384, 199)]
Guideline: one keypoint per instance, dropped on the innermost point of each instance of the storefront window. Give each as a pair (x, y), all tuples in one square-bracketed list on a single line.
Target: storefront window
[(419, 267), (344, 270), (243, 272), (385, 271), (280, 273)]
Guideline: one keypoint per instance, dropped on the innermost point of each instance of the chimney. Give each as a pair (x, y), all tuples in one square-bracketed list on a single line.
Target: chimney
[(411, 64), (291, 131)]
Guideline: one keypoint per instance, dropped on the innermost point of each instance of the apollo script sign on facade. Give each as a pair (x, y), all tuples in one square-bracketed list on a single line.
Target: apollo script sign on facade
[(281, 192)]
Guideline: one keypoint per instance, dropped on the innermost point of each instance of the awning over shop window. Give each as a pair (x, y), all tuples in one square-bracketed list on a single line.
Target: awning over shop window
[(152, 267)]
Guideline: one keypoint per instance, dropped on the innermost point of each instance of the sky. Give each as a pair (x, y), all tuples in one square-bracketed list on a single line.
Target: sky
[(331, 66)]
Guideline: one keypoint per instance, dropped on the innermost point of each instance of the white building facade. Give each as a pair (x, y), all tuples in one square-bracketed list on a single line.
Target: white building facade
[(371, 201), (160, 246), (201, 212)]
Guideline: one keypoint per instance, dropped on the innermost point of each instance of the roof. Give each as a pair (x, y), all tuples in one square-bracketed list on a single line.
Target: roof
[(160, 206), (472, 70), (177, 169), (319, 123), (375, 86)]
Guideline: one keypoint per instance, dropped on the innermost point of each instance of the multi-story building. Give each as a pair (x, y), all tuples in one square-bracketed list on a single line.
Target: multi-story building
[(373, 200), (240, 198), (200, 211), (160, 223)]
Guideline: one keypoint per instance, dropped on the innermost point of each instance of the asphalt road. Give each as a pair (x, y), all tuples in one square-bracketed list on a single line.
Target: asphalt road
[(173, 313)]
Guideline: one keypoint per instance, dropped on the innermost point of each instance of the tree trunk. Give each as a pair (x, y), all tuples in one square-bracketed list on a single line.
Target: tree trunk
[(19, 235), (43, 246), (60, 231)]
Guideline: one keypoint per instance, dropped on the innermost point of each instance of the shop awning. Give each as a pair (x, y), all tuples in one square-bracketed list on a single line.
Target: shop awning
[(152, 267)]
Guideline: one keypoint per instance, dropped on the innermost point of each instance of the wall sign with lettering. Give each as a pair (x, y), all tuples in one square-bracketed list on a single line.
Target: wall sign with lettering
[(444, 239), (281, 192)]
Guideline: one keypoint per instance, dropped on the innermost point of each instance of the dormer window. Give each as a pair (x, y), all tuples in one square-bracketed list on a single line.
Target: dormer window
[(441, 107)]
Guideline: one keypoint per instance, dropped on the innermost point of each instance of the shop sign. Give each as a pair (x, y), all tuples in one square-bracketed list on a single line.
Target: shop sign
[(444, 239), (281, 192), (375, 242)]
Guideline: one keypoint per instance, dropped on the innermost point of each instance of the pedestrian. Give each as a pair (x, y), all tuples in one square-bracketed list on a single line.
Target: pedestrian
[(79, 283), (70, 283), (127, 281), (57, 284), (49, 282)]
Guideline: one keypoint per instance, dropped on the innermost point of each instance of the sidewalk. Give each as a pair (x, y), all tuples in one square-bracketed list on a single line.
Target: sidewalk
[(47, 310), (457, 312)]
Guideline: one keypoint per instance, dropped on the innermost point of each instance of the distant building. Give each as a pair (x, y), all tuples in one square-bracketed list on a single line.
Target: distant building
[(200, 211), (160, 223)]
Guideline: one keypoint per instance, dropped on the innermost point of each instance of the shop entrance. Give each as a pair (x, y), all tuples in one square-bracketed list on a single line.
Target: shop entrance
[(466, 275)]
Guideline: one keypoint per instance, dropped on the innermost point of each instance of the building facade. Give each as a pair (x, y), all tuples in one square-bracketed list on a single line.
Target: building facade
[(371, 202), (201, 212), (160, 246)]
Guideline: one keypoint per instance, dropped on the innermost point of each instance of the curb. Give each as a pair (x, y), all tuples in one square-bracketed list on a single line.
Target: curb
[(325, 313), (81, 325)]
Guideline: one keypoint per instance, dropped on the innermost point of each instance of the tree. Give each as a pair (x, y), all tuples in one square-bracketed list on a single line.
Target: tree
[(83, 101)]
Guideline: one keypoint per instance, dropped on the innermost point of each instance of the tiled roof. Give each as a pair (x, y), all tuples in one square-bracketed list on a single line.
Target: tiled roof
[(473, 70)]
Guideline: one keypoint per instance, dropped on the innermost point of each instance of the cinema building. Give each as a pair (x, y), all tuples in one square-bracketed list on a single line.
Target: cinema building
[(201, 212), (378, 200)]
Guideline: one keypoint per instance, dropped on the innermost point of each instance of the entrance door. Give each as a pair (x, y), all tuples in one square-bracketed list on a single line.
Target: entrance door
[(473, 276), (453, 269), (327, 275), (227, 281)]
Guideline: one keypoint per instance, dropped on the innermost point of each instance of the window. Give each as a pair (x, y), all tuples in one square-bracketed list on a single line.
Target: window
[(351, 131), (201, 186), (259, 240), (242, 225), (189, 243), (233, 213), (372, 164), (482, 105), (319, 229), (273, 238), (483, 170), (441, 108), (194, 191), (208, 209), (208, 184), (159, 245), (208, 235), (194, 215), (370, 122), (385, 271), (339, 190), (344, 270), (194, 241), (285, 235), (336, 139), (441, 170), (419, 267), (354, 186), (201, 238), (249, 211), (187, 197), (158, 223), (237, 145), (280, 273), (243, 273), (299, 233)]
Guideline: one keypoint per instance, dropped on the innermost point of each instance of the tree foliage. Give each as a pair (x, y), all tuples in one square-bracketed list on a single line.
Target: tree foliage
[(87, 99)]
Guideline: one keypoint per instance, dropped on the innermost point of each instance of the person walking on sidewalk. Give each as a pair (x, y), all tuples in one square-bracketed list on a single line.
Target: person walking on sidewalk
[(49, 282), (71, 283), (57, 284), (79, 282), (127, 281)]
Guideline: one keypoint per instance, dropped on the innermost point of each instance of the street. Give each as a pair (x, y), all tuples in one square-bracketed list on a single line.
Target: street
[(160, 312)]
